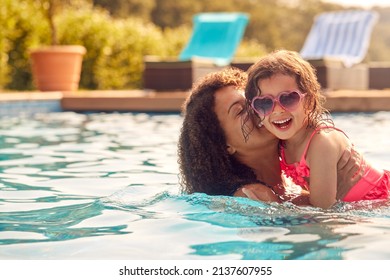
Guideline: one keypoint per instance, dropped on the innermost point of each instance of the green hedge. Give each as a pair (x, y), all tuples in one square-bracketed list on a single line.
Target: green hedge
[(21, 28), (115, 47)]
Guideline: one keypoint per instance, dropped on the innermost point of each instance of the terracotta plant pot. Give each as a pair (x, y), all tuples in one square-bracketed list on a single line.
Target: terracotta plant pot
[(57, 68)]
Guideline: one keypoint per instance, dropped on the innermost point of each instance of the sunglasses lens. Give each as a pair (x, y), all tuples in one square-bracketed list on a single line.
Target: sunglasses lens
[(263, 106), (289, 100)]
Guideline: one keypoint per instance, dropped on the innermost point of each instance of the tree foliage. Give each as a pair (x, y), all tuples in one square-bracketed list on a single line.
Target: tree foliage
[(119, 33), (273, 24)]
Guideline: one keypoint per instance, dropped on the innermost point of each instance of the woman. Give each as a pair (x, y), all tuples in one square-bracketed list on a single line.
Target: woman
[(214, 156)]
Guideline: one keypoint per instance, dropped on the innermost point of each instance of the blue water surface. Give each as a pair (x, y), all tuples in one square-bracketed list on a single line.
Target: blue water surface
[(105, 186)]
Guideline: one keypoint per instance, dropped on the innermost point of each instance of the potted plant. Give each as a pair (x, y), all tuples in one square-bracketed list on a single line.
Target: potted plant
[(56, 67)]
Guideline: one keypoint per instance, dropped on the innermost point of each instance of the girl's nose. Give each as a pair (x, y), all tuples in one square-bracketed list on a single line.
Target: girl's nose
[(278, 108)]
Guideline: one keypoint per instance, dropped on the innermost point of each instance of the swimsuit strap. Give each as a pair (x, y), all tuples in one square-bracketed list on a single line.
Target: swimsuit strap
[(312, 135)]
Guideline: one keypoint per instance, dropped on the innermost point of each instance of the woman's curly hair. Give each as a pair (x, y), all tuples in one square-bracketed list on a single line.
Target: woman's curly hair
[(290, 63), (204, 162)]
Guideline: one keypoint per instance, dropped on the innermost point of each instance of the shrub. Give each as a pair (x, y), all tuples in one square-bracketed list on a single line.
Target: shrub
[(121, 63), (90, 29), (18, 33), (115, 47)]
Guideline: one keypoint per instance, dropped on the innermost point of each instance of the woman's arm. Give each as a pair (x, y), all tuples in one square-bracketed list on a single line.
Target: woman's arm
[(257, 191), (297, 195), (302, 200), (266, 194), (350, 169)]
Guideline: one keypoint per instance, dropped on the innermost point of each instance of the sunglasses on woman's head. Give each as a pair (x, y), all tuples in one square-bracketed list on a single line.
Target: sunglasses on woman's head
[(265, 104)]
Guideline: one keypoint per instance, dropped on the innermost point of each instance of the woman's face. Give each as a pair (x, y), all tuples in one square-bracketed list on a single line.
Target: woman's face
[(230, 110)]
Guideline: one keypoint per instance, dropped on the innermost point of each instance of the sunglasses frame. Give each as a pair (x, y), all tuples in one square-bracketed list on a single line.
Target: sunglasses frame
[(277, 99)]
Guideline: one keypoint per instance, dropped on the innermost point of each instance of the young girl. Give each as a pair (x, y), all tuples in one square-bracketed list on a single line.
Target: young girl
[(284, 92)]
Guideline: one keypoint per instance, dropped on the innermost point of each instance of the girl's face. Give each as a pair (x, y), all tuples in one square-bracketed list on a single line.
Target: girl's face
[(282, 123)]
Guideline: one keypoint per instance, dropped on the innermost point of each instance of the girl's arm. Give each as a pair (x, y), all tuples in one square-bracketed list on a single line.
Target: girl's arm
[(349, 171), (323, 155)]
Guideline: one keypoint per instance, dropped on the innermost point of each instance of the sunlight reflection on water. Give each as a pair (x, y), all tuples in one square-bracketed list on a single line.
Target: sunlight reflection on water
[(105, 186)]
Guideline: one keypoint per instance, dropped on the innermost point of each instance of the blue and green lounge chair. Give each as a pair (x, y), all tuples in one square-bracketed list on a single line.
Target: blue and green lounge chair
[(212, 46)]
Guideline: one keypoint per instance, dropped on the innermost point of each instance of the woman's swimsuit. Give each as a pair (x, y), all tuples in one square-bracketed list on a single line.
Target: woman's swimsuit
[(374, 184)]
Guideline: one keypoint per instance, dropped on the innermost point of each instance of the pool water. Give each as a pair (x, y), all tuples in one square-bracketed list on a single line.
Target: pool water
[(105, 186)]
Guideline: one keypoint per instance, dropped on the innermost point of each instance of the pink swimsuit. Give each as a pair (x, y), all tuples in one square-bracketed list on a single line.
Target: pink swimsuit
[(374, 184)]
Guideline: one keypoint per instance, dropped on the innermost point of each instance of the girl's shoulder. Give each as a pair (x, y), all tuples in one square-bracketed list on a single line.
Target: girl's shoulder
[(330, 133), (328, 139)]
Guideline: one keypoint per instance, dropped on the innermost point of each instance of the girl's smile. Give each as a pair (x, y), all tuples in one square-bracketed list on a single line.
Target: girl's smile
[(283, 124)]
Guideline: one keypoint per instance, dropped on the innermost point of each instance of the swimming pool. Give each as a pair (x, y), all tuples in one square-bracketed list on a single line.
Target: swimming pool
[(105, 186)]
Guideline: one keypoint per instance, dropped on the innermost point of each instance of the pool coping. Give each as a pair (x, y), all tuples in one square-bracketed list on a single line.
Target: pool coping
[(151, 101)]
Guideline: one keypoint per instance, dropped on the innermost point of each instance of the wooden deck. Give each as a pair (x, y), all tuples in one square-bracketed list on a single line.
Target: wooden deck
[(123, 101), (340, 101), (149, 101), (358, 101)]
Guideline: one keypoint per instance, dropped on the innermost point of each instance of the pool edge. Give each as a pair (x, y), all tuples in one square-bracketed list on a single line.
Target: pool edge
[(151, 101)]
